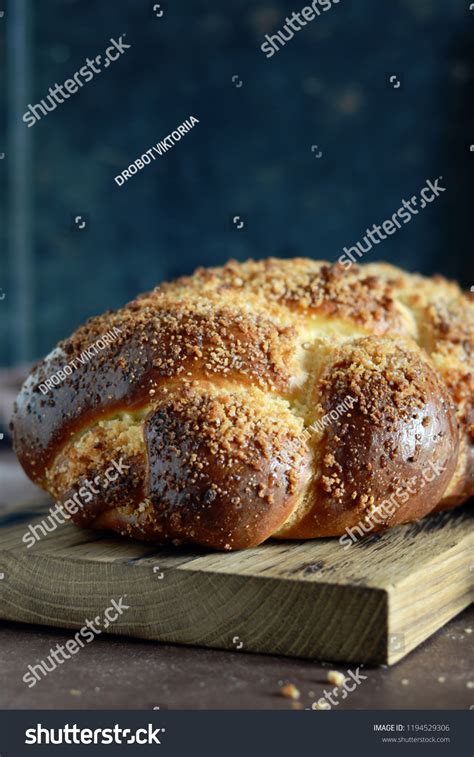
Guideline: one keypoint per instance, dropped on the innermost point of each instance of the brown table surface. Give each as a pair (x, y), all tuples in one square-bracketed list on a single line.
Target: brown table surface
[(121, 673)]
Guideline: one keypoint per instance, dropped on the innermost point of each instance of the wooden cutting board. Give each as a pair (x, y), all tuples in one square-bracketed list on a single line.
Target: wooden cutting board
[(372, 603)]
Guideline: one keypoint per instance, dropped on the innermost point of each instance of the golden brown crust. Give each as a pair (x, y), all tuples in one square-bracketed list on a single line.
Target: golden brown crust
[(213, 391), (400, 430)]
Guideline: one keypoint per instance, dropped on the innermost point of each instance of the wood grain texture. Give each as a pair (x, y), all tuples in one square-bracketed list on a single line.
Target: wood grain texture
[(372, 603)]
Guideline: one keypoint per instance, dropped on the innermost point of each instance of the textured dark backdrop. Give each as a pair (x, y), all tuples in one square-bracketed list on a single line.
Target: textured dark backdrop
[(250, 154)]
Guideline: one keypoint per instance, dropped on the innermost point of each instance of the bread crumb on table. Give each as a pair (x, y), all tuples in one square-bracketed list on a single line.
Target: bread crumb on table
[(290, 691), (336, 678)]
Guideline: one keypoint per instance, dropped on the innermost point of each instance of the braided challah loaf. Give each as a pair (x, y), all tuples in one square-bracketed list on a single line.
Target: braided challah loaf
[(279, 398)]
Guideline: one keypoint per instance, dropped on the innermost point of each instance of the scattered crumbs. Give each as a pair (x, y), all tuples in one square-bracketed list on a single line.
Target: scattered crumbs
[(311, 694), (470, 684), (296, 706), (405, 681), (336, 678), (321, 704), (468, 630), (290, 691), (75, 692), (441, 679)]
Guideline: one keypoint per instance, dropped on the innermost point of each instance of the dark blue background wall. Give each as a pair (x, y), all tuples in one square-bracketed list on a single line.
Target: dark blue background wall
[(250, 154)]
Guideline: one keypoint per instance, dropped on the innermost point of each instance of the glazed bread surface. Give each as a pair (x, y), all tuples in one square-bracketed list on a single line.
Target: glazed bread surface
[(278, 398)]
